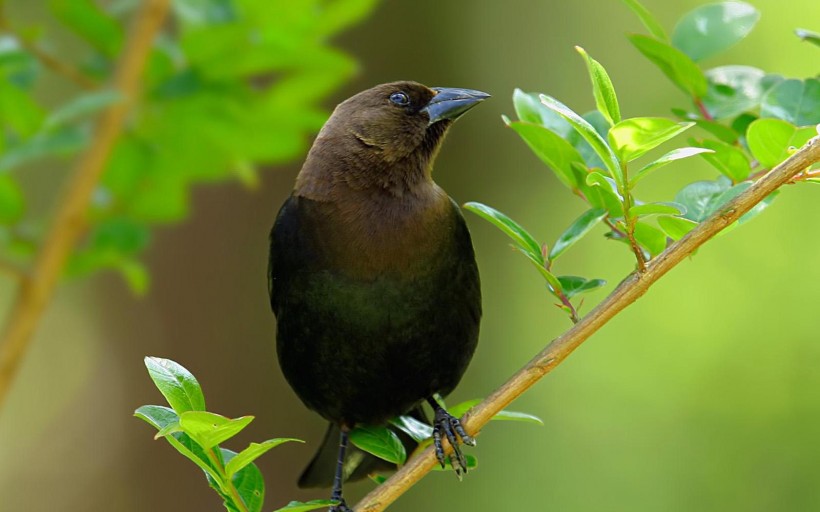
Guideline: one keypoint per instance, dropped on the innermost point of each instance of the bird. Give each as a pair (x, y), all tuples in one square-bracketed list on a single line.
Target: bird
[(372, 275)]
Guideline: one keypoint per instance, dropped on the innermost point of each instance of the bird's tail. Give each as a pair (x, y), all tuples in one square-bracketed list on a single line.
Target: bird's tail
[(358, 463)]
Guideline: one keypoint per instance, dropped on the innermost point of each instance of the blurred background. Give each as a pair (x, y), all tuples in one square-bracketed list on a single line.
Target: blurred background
[(703, 395)]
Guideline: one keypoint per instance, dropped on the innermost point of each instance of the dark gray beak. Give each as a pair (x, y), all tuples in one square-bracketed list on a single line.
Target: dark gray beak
[(449, 103)]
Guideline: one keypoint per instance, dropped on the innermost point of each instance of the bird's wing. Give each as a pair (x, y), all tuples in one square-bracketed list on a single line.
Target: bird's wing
[(284, 243)]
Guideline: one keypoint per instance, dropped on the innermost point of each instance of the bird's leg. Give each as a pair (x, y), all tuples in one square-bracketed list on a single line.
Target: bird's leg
[(338, 479), (447, 424)]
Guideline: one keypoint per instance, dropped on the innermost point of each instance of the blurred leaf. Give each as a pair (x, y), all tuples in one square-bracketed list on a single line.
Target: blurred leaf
[(676, 227), (770, 140), (91, 22), (675, 64), (588, 132), (82, 105), (730, 160), (135, 274), (712, 28), (733, 90), (18, 67), (605, 99), (248, 482), (651, 238), (511, 228), (340, 14), (209, 429), (723, 133), (633, 137), (379, 441), (808, 35), (643, 210), (414, 428), (795, 101), (12, 201), (18, 110), (580, 227), (553, 150), (252, 452), (648, 20), (675, 154), (120, 233), (575, 285), (298, 506), (62, 142), (204, 12), (176, 384), (528, 108)]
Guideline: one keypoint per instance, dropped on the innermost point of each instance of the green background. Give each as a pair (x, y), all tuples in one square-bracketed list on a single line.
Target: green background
[(701, 396)]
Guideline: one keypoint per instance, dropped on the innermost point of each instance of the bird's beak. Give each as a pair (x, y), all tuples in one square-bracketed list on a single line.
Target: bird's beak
[(449, 103)]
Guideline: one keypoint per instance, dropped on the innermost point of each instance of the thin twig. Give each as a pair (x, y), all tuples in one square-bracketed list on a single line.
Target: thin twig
[(633, 287), (71, 220)]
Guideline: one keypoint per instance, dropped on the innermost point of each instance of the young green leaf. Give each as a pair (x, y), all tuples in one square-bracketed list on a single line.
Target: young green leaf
[(379, 441), (414, 428), (580, 227), (529, 109), (176, 384), (587, 152), (298, 506), (808, 35), (157, 415), (608, 196), (252, 452), (511, 228), (209, 429), (552, 149), (769, 140), (795, 101), (644, 210), (605, 99), (675, 64), (733, 90), (576, 285), (675, 154), (676, 227), (730, 160), (712, 28), (631, 138), (651, 238), (588, 132), (648, 20)]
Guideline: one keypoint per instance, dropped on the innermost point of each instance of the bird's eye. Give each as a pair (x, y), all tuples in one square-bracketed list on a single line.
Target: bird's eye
[(400, 99)]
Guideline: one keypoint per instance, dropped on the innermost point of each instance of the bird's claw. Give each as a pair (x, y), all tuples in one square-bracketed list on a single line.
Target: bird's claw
[(451, 427)]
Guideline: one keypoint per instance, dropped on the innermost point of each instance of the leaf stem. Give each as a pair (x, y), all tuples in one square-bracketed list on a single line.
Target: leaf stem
[(630, 290), (71, 220), (226, 482), (629, 220), (704, 112)]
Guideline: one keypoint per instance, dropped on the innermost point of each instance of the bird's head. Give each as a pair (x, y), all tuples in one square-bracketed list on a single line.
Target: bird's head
[(385, 137)]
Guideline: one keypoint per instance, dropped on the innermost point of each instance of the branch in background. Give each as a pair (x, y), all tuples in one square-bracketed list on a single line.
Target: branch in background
[(71, 221), (635, 285)]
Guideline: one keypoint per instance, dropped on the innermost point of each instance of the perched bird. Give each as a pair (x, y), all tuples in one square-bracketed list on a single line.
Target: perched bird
[(372, 275)]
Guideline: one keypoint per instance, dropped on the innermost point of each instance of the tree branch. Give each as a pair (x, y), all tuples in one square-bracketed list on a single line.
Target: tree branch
[(630, 289), (71, 221)]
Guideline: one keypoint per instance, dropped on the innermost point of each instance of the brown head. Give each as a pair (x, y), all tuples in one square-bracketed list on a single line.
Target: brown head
[(384, 138)]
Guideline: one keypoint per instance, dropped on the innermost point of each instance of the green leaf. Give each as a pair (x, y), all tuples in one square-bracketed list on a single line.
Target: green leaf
[(588, 132), (584, 148), (610, 197), (770, 140), (552, 149), (721, 132), (676, 227), (176, 384), (528, 108), (808, 35), (81, 106), (298, 506), (576, 285), (209, 429), (632, 138), (252, 452), (580, 227), (135, 274), (605, 99), (759, 207), (644, 210), (703, 198), (511, 228), (379, 441), (712, 28), (648, 20), (12, 201), (61, 142), (472, 463), (414, 428), (204, 12), (248, 482), (675, 64), (733, 90), (461, 409), (90, 22), (651, 238), (795, 101), (730, 160), (157, 415), (18, 110), (675, 154)]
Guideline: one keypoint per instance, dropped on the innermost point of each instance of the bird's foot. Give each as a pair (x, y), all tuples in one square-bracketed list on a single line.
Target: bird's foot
[(341, 507), (448, 425)]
